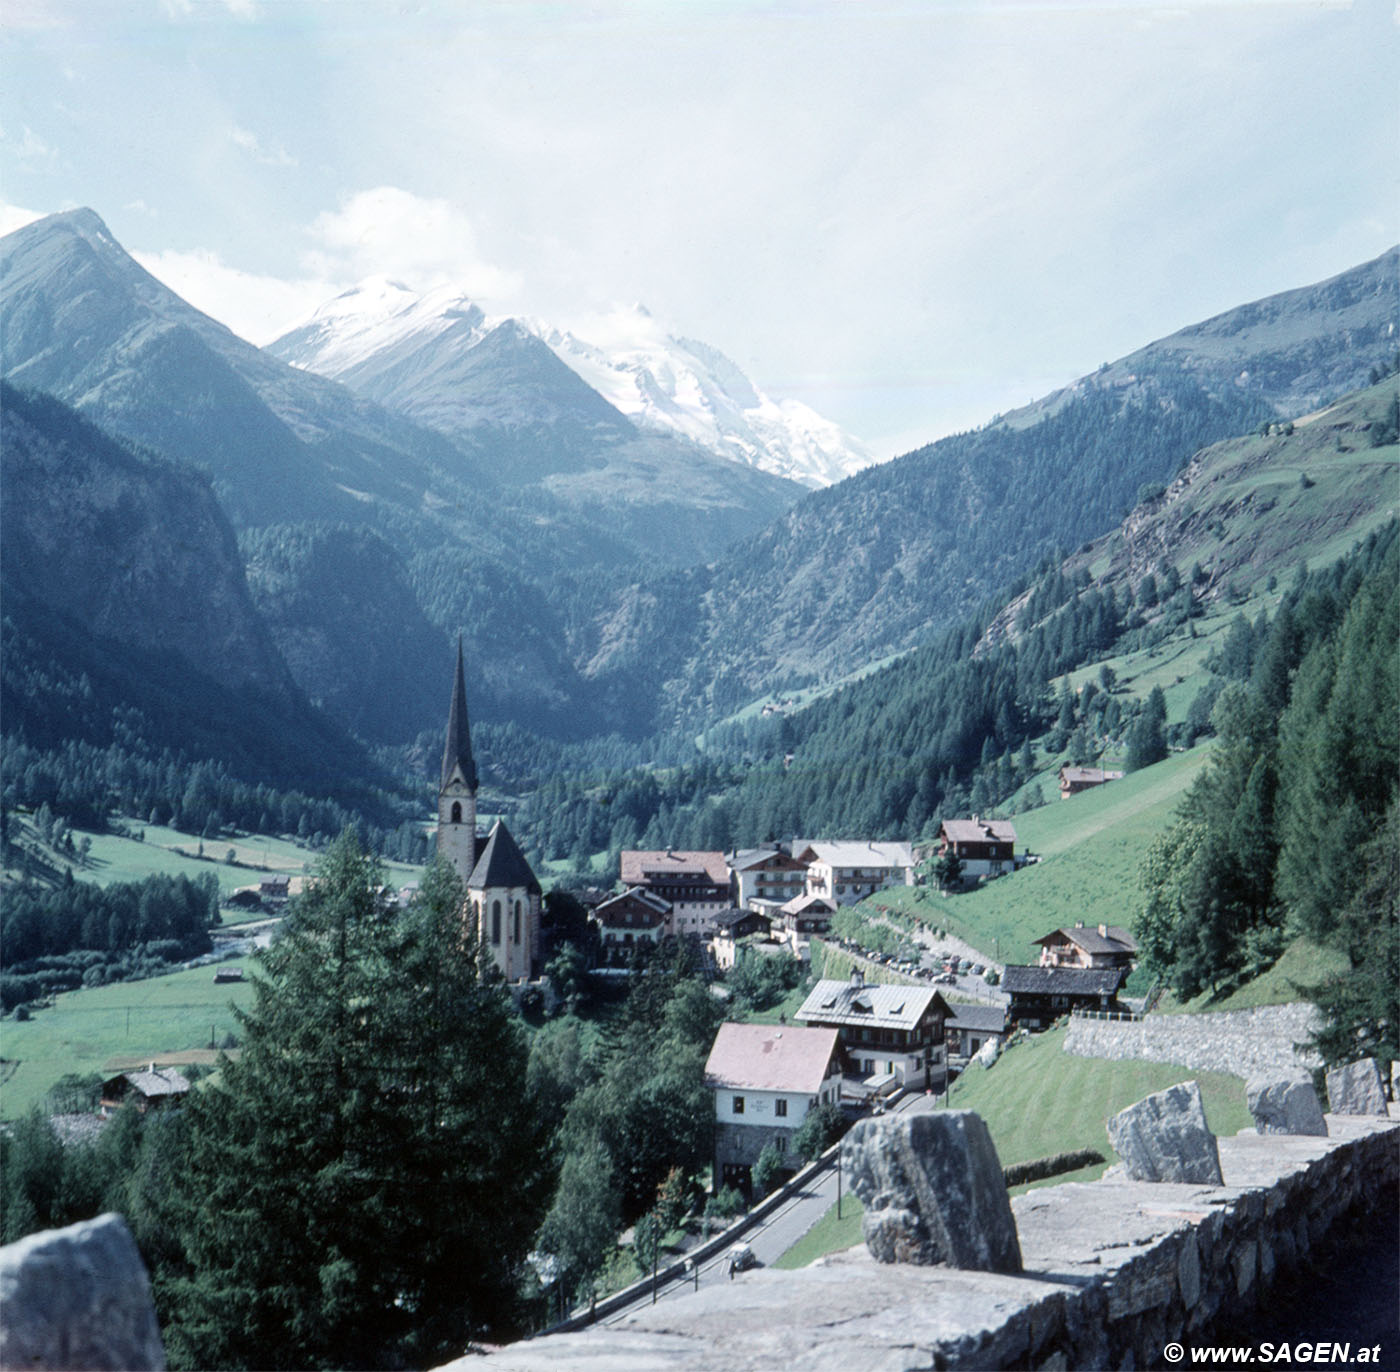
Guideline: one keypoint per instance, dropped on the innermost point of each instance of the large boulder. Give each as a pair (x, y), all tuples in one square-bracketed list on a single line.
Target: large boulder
[(1356, 1089), (1165, 1137), (933, 1191), (1286, 1105), (77, 1299)]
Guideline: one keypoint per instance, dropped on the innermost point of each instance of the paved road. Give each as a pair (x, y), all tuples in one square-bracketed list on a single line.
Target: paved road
[(772, 1236)]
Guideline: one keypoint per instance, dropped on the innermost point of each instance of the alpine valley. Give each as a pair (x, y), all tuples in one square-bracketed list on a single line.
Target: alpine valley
[(630, 539)]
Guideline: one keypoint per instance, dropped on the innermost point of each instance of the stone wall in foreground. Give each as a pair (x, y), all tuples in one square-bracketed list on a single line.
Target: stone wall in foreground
[(1245, 1043), (1114, 1272)]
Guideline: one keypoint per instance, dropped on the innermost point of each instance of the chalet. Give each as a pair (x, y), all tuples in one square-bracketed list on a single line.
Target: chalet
[(895, 1031), (730, 928), (695, 885), (1040, 995), (848, 872), (985, 847), (636, 916), (971, 1027), (149, 1089), (1106, 946), (770, 873), (1076, 779), (765, 1078), (275, 890), (807, 916)]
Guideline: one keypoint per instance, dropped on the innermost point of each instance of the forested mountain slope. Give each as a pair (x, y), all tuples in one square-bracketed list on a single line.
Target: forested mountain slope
[(127, 617), (881, 561)]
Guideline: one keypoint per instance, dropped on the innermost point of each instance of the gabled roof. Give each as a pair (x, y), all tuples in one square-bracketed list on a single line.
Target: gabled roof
[(1116, 939), (1093, 775), (732, 917), (886, 1007), (637, 864), (457, 752), (1062, 981), (860, 854), (770, 1057), (804, 905), (743, 859), (977, 830), (152, 1082), (981, 1018), (501, 863), (634, 895)]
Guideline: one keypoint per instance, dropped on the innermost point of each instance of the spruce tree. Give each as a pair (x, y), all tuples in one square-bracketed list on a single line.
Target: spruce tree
[(362, 1184)]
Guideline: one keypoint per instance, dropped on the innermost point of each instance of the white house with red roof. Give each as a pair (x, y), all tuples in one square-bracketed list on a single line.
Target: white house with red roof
[(694, 884), (765, 1078)]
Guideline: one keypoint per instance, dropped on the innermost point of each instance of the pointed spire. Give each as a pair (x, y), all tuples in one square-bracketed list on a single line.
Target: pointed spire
[(458, 752)]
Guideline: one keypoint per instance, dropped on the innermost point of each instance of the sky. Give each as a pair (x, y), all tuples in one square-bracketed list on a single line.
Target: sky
[(910, 216)]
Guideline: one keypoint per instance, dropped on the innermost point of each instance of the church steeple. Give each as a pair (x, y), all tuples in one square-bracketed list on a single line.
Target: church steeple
[(456, 836), (457, 755)]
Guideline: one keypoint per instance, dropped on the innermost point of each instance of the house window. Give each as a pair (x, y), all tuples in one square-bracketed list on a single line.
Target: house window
[(738, 1105), (495, 921), (780, 1108), (781, 1142)]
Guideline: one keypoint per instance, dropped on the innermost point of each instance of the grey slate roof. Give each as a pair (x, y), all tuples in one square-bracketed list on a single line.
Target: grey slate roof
[(886, 1007), (980, 1018), (501, 863), (457, 753), (1119, 940), (1062, 981)]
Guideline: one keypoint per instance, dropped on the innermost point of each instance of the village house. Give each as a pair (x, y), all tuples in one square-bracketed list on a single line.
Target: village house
[(730, 929), (636, 916), (971, 1027), (1076, 779), (694, 884), (807, 917), (889, 1031), (769, 874), (151, 1088), (1106, 946), (765, 1078), (1038, 996), (985, 847), (848, 872)]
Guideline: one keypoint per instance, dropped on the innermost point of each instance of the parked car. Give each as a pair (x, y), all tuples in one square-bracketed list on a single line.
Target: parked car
[(978, 969)]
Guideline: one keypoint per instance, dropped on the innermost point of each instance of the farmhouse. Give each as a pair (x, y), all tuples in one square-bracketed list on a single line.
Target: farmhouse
[(971, 1027), (730, 928), (1106, 946), (150, 1088), (1076, 779), (894, 1031), (985, 847), (765, 1079), (770, 873), (1041, 995)]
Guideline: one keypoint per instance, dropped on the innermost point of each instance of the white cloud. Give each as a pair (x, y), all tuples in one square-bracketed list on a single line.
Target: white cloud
[(258, 308), (12, 217), (274, 155), (422, 241)]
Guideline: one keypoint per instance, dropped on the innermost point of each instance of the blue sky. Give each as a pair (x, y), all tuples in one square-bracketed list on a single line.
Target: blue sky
[(908, 215)]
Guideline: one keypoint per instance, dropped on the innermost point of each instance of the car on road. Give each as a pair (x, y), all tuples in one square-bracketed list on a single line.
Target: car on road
[(741, 1258)]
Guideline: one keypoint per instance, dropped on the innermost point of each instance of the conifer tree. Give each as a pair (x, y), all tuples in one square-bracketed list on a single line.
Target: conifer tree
[(362, 1185)]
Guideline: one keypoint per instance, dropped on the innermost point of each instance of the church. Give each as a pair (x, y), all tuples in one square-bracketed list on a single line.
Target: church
[(503, 896)]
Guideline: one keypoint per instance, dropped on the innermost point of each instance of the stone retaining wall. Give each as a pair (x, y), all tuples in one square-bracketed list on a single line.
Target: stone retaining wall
[(1114, 1272), (1246, 1043)]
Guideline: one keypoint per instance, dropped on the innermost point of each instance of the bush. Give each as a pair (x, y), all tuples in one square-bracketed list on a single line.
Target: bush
[(822, 1127)]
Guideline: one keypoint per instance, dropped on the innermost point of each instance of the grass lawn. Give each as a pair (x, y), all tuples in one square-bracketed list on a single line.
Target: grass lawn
[(1091, 849), (104, 1028), (1038, 1100), (1302, 964)]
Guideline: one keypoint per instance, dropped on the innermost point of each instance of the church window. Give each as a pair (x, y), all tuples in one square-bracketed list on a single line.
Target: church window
[(495, 921), (456, 812), (516, 926)]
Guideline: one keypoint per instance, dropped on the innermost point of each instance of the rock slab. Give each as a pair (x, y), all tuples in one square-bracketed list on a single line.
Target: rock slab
[(1165, 1137), (933, 1191), (78, 1299), (1356, 1089), (1287, 1105)]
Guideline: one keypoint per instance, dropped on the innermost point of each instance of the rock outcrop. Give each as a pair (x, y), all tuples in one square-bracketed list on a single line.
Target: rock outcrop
[(78, 1300), (1285, 1106), (933, 1191), (1165, 1137), (1357, 1089)]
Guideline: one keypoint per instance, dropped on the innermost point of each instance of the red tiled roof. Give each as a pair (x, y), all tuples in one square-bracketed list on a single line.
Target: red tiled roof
[(638, 865)]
